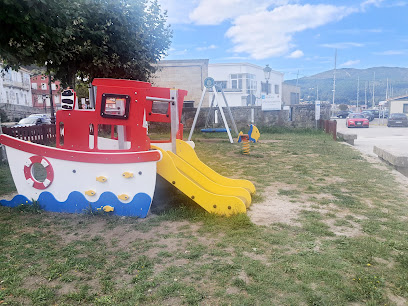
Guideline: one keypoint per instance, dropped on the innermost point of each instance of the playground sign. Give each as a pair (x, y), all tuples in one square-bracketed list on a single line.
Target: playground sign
[(317, 110), (270, 103), (209, 82)]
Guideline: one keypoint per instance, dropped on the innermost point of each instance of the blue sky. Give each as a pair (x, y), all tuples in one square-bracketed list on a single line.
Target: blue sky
[(291, 35)]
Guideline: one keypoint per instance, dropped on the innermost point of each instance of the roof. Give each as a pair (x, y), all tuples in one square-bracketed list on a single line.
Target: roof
[(243, 64), (398, 98)]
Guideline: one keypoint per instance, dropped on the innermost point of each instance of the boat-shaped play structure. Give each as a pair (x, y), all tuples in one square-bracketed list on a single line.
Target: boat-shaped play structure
[(105, 160)]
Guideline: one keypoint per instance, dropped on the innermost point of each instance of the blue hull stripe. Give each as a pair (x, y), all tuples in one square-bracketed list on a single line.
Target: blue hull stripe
[(77, 203)]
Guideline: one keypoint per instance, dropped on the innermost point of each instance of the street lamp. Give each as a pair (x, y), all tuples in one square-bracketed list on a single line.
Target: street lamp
[(267, 70)]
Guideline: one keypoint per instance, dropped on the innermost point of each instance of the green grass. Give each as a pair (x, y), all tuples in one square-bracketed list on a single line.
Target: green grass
[(347, 244), (6, 181)]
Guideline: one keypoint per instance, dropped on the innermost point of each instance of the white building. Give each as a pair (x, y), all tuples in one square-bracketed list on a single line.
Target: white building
[(399, 105), (242, 80), (15, 87)]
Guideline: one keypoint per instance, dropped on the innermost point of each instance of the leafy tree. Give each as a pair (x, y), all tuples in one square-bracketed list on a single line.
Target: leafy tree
[(89, 38), (343, 107)]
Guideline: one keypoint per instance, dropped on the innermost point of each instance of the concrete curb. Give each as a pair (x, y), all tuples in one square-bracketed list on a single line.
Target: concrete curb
[(395, 158), (349, 138)]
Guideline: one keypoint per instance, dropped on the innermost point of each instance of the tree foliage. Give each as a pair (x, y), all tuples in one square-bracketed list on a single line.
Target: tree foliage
[(89, 38), (343, 107)]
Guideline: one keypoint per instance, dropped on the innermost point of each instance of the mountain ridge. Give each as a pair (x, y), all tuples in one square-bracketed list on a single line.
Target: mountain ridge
[(347, 83)]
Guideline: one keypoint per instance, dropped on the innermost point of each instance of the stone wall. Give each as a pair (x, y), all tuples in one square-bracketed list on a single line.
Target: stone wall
[(300, 116), (16, 112)]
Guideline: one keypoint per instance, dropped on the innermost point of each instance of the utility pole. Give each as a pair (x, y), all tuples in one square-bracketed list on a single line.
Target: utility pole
[(297, 78), (374, 90), (358, 89), (365, 94), (317, 92), (334, 77)]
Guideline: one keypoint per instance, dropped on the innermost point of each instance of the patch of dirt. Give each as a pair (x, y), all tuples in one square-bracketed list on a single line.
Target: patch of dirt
[(347, 231), (9, 196), (397, 300), (269, 141), (260, 257), (275, 208)]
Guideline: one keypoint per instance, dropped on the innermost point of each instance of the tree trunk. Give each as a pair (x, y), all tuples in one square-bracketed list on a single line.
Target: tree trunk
[(51, 99)]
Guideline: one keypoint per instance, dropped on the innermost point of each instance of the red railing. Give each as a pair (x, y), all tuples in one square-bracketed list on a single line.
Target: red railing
[(41, 134), (329, 126)]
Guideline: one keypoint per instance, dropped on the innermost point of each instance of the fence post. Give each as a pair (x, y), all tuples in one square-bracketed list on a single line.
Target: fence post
[(3, 156), (334, 130)]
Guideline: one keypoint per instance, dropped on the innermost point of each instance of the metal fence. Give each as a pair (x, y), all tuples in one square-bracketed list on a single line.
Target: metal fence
[(329, 126), (41, 134)]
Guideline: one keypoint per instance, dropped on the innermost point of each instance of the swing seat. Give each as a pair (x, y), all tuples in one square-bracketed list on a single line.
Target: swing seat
[(214, 130)]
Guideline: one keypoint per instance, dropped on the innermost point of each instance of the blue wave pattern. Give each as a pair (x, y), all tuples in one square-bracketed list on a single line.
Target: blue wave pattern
[(77, 203)]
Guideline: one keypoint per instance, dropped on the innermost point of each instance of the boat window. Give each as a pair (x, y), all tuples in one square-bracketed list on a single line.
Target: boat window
[(112, 137), (61, 132), (91, 136), (38, 172), (160, 107), (115, 106)]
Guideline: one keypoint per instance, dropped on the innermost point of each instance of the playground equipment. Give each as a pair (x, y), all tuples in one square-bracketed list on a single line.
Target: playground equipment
[(105, 160), (253, 135), (210, 84)]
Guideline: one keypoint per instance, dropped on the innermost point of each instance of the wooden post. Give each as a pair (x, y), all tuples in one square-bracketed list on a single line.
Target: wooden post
[(3, 156)]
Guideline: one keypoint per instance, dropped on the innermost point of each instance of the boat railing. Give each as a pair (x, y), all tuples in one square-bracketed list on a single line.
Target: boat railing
[(174, 126)]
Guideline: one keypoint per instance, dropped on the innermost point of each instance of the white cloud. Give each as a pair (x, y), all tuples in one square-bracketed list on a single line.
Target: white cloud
[(269, 33), (391, 52), (342, 45), (213, 12), (368, 3), (350, 63), (178, 12), (296, 54), (210, 47)]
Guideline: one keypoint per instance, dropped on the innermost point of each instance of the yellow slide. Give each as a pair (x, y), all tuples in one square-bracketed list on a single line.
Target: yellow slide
[(212, 191)]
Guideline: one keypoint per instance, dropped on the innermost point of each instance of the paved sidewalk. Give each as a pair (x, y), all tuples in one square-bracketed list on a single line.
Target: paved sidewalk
[(394, 138)]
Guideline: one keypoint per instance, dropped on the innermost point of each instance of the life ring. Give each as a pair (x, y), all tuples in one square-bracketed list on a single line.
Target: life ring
[(29, 175)]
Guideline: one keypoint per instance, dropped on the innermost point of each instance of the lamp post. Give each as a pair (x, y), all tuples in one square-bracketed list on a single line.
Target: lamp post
[(267, 70)]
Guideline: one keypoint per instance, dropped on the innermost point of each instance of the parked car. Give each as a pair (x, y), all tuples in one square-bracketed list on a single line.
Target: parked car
[(375, 112), (384, 113), (30, 121), (369, 115), (343, 114), (397, 119), (357, 120)]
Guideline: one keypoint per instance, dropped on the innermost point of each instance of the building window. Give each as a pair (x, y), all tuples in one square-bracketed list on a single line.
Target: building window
[(43, 78), (221, 84), (277, 89), (18, 101), (25, 98), (33, 85), (245, 81), (236, 81), (7, 97), (43, 86), (250, 82), (53, 87), (294, 98), (405, 108)]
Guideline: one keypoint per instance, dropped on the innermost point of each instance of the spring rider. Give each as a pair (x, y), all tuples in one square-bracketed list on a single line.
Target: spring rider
[(253, 135)]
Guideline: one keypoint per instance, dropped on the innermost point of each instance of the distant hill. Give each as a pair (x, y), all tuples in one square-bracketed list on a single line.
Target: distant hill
[(346, 84)]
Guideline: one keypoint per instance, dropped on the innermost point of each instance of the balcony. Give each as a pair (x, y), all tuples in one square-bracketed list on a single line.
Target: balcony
[(15, 84)]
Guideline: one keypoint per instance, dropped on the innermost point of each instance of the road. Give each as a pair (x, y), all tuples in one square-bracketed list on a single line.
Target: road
[(377, 134)]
